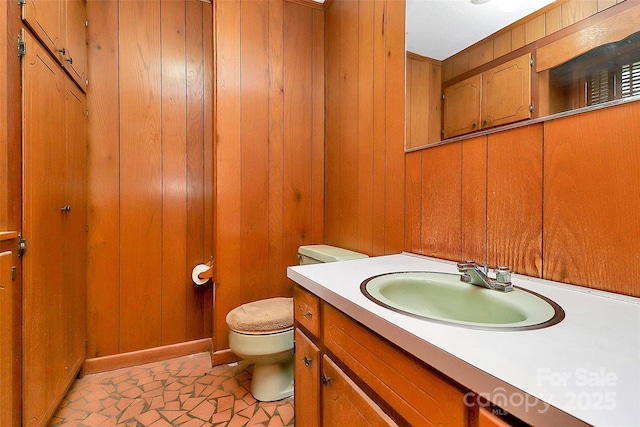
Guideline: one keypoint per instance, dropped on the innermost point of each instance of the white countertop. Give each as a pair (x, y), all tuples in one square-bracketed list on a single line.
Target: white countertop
[(586, 369)]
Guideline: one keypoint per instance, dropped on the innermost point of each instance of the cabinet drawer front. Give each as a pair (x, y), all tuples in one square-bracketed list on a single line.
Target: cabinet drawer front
[(306, 310), (345, 404), (419, 395), (307, 381)]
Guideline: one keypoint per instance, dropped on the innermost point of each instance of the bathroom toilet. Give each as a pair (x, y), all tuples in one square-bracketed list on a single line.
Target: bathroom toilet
[(261, 332)]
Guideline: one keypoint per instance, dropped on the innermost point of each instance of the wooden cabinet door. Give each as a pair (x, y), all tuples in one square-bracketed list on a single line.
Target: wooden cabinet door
[(53, 271), (44, 17), (6, 340), (75, 58), (462, 107), (43, 197), (506, 92), (423, 102), (307, 381), (75, 227), (345, 404)]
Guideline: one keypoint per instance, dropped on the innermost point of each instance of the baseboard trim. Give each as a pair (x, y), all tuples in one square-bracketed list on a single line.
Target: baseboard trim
[(134, 358), (222, 357)]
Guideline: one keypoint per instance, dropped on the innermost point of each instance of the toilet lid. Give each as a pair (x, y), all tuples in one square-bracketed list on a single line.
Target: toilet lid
[(267, 315)]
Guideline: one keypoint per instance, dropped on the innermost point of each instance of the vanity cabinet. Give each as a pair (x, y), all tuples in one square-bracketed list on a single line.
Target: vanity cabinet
[(498, 96), (349, 375), (61, 28)]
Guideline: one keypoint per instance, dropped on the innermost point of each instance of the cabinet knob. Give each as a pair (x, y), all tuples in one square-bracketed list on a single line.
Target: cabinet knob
[(65, 209), (307, 361), (70, 61), (63, 51), (473, 125), (325, 380)]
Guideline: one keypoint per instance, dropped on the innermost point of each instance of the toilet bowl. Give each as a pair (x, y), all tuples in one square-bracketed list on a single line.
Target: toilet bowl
[(261, 332)]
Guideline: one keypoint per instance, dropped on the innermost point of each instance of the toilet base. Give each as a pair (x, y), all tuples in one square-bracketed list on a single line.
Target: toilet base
[(272, 381)]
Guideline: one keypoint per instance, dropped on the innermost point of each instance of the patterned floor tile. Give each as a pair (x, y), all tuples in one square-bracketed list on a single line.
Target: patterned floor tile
[(184, 392)]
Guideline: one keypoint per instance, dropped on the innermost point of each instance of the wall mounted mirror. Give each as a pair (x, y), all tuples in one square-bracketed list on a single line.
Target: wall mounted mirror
[(457, 47)]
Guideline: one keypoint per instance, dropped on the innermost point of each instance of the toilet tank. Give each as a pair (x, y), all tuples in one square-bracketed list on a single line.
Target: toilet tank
[(316, 254)]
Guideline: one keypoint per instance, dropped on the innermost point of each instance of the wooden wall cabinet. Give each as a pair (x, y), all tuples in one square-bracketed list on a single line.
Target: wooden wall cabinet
[(333, 370), (462, 107), (498, 96), (61, 28), (6, 339), (423, 109), (54, 224)]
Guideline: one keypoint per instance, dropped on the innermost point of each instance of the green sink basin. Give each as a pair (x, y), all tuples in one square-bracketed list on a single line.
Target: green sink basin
[(443, 298)]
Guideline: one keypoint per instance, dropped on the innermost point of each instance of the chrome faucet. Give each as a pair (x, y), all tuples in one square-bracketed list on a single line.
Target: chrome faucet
[(476, 275)]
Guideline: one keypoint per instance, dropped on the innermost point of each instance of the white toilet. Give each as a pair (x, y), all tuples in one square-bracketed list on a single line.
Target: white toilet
[(261, 332)]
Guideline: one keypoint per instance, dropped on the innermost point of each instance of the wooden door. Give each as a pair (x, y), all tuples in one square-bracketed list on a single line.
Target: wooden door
[(6, 340), (43, 197), (506, 92), (345, 404), (75, 58), (307, 381), (75, 229), (462, 107), (44, 17)]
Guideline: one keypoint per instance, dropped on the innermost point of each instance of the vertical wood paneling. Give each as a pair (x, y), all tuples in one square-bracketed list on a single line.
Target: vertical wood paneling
[(348, 108), (534, 29), (413, 202), (514, 199), (254, 75), (474, 200), (269, 148), (228, 207), (379, 129), (591, 237), (394, 136), (298, 135), (277, 273), (103, 253), (195, 162), (365, 126), (174, 173), (150, 173), (441, 201), (140, 175), (365, 161), (318, 145), (209, 160)]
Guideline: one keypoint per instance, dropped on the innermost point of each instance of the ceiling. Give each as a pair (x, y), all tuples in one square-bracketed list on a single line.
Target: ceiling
[(439, 29)]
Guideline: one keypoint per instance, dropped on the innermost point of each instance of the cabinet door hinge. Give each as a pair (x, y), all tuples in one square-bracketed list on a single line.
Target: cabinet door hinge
[(532, 62), (22, 45), (14, 271), (22, 245), (531, 107)]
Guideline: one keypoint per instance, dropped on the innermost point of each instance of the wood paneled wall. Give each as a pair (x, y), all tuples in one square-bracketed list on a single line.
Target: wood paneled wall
[(549, 200), (150, 173), (365, 125), (269, 148)]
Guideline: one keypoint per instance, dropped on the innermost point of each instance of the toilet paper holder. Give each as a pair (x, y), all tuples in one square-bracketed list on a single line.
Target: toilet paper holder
[(208, 273)]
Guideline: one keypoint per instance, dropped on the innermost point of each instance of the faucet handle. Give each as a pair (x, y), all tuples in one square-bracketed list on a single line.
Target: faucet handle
[(503, 274), (466, 265)]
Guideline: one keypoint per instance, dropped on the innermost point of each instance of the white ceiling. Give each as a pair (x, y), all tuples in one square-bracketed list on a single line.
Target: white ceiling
[(440, 28)]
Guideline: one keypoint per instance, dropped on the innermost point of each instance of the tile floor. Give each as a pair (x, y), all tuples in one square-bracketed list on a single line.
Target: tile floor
[(180, 392)]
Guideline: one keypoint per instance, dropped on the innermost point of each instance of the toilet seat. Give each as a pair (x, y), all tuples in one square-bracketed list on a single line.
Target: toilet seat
[(262, 317)]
